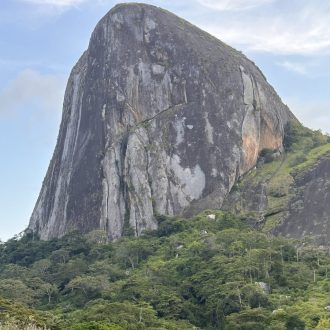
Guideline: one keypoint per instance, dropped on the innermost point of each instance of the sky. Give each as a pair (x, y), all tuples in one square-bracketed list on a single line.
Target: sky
[(42, 39)]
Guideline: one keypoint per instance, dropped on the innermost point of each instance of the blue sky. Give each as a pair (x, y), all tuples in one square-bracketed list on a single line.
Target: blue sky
[(42, 39)]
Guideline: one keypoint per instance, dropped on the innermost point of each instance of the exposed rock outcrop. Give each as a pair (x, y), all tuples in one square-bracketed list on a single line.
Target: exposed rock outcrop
[(158, 117), (292, 200), (308, 211)]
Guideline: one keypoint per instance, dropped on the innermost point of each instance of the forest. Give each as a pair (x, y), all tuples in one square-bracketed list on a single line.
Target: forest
[(209, 272)]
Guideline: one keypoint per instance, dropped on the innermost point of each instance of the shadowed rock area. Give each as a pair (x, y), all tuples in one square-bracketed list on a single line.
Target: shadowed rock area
[(308, 212), (159, 117)]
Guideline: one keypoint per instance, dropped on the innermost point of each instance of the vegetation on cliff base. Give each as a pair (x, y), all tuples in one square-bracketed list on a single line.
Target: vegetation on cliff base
[(274, 177), (203, 272)]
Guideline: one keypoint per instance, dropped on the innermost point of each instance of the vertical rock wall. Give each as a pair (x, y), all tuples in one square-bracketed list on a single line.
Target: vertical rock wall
[(158, 117)]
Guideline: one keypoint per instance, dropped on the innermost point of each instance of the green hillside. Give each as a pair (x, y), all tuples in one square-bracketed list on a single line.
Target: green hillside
[(199, 273)]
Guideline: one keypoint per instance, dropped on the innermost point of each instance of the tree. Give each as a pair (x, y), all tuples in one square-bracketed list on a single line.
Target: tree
[(17, 291), (132, 251), (97, 237), (295, 323), (60, 256), (50, 290), (91, 286), (14, 271), (250, 319), (323, 324), (41, 266)]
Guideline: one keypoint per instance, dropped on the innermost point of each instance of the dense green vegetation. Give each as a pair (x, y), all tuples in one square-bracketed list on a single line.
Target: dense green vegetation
[(202, 272)]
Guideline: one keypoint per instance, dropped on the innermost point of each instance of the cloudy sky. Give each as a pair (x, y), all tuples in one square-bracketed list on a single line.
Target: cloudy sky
[(42, 39)]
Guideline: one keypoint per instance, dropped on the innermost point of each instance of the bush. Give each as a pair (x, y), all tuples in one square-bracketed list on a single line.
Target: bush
[(298, 159), (168, 226), (95, 326), (267, 154), (298, 137), (295, 323)]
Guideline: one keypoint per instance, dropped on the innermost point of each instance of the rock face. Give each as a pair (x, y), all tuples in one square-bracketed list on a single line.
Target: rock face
[(287, 199), (158, 117), (308, 211)]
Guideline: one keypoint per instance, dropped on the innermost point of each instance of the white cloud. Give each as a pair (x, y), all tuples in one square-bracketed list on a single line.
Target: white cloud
[(56, 3), (315, 115), (300, 28), (31, 88), (233, 5), (294, 67)]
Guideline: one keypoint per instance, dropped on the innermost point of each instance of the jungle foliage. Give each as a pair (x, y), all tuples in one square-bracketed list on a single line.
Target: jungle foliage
[(199, 273)]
